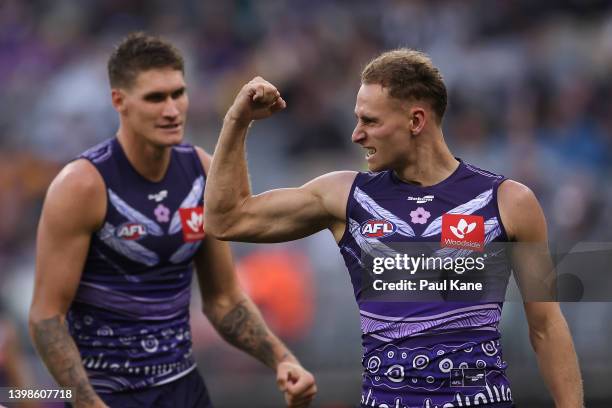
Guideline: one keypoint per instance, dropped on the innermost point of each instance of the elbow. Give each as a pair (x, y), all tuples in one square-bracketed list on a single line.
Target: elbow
[(225, 222), (216, 229), (551, 327), (541, 335), (536, 337), (34, 319), (39, 315), (221, 227), (222, 237), (216, 305)]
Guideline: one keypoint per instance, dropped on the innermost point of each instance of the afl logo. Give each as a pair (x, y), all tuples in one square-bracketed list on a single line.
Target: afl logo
[(378, 228), (131, 231)]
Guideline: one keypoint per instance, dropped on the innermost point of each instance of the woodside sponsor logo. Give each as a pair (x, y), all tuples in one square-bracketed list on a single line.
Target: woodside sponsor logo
[(462, 231)]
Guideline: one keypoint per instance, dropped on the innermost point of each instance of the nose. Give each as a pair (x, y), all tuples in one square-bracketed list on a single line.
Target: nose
[(358, 135), (170, 109)]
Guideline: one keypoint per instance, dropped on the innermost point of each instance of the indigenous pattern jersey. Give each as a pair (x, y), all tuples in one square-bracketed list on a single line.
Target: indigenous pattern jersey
[(130, 316), (422, 352)]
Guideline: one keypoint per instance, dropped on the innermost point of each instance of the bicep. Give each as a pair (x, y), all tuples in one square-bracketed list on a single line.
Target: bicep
[(283, 215), (60, 255), (530, 257), (64, 233), (292, 213), (276, 215)]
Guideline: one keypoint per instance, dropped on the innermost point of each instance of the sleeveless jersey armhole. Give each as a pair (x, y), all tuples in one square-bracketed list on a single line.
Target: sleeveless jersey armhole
[(496, 185), (349, 207), (82, 157), (200, 165)]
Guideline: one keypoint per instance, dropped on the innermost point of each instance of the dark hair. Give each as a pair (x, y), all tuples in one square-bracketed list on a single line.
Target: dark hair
[(408, 75), (140, 52)]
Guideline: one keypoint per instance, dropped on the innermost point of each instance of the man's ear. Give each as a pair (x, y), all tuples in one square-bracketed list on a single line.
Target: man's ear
[(418, 117), (118, 99)]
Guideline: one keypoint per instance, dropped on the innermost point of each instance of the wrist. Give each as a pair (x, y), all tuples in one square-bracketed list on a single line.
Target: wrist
[(285, 357), (235, 120)]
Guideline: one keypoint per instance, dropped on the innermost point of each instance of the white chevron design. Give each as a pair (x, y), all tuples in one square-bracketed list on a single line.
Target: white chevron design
[(130, 249), (435, 227), (192, 200), (185, 251), (133, 215), (403, 228)]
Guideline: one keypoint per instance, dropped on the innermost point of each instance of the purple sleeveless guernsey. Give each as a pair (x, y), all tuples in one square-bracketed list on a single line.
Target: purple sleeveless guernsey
[(130, 316), (425, 353)]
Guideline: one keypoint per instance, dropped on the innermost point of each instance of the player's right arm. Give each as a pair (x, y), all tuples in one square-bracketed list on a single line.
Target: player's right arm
[(74, 208), (233, 213)]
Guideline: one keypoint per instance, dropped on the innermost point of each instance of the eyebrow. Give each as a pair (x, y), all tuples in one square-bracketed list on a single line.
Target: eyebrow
[(161, 94), (365, 118)]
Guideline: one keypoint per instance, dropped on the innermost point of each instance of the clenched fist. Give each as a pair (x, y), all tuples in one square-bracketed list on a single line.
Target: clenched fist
[(296, 383), (258, 99)]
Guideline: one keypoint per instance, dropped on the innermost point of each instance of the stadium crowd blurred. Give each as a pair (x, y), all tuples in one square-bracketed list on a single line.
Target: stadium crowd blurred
[(530, 96)]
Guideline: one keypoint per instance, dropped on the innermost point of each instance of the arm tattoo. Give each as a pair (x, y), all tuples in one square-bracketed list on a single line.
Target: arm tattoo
[(62, 358), (246, 330)]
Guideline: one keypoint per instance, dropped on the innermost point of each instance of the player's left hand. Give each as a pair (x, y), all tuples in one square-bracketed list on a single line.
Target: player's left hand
[(297, 383)]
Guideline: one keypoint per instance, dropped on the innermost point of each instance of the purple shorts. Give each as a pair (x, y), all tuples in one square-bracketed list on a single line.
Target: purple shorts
[(186, 392)]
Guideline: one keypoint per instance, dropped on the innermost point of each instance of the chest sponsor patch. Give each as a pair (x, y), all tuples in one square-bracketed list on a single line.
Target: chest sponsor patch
[(378, 228), (192, 221), (131, 231), (463, 231)]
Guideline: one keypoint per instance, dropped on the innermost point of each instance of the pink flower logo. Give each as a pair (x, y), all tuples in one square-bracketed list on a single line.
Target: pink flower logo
[(162, 213), (420, 216)]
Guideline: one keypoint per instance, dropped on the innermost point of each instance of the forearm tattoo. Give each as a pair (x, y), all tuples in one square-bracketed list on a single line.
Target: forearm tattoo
[(62, 358), (246, 330)]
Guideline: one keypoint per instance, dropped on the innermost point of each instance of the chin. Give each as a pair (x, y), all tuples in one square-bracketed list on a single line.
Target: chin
[(169, 140), (378, 167), (375, 168), (175, 141)]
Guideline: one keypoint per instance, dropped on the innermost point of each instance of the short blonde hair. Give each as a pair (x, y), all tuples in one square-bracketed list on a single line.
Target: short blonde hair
[(408, 75)]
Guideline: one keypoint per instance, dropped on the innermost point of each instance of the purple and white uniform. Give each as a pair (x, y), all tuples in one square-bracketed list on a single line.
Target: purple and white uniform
[(424, 353), (130, 315)]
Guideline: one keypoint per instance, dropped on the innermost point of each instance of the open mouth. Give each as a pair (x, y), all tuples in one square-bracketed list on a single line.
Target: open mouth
[(170, 126), (371, 151)]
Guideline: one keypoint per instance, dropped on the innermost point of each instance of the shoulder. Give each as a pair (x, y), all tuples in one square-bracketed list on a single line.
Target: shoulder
[(333, 187), (335, 179), (515, 196), (78, 193), (332, 190), (78, 177), (520, 210)]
